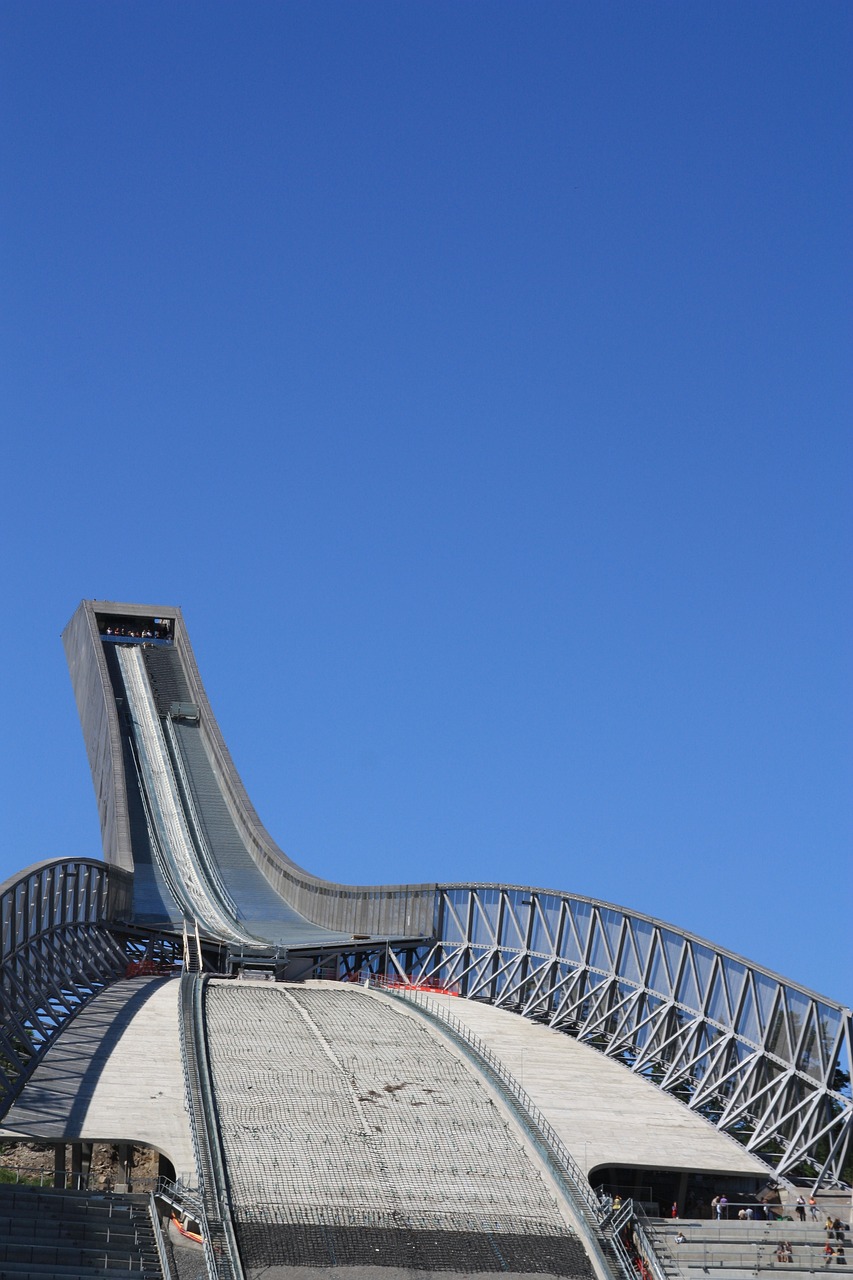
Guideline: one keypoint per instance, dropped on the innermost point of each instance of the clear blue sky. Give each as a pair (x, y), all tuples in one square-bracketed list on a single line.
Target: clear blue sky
[(477, 378)]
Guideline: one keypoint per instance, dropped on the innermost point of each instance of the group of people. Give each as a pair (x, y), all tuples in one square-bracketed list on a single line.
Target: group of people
[(608, 1202), (800, 1208), (833, 1250), (837, 1252), (834, 1247), (160, 632)]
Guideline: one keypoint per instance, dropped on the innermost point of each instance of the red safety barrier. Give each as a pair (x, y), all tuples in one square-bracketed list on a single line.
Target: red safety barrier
[(403, 984), (431, 985), (191, 1235), (148, 969)]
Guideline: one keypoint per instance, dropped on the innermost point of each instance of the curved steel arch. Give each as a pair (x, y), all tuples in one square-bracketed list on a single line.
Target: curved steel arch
[(57, 951), (766, 1060)]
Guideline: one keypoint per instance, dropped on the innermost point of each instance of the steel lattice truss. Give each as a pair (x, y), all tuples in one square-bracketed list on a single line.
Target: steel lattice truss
[(56, 952), (765, 1060)]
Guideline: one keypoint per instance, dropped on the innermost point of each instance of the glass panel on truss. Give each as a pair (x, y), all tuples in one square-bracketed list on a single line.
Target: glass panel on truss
[(673, 944), (629, 963), (799, 1007), (484, 918), (703, 959), (612, 922), (843, 1069), (577, 930), (599, 956), (454, 915), (828, 1022), (540, 942), (519, 903), (747, 1023), (778, 1039), (808, 1058), (658, 979), (718, 1005), (551, 907), (734, 973), (643, 931), (765, 990), (687, 990)]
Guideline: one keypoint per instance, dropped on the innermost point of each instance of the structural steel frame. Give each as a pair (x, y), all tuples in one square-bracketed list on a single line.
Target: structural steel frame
[(762, 1058), (59, 947)]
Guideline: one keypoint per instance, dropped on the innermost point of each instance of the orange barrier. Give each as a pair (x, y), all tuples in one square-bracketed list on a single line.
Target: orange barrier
[(190, 1235), (431, 985), (148, 969)]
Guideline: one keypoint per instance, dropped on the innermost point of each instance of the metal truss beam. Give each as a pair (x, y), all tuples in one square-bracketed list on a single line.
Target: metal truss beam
[(764, 1059)]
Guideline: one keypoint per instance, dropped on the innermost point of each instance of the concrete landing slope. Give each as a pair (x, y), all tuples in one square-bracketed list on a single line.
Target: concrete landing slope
[(355, 1134), (604, 1113), (113, 1074)]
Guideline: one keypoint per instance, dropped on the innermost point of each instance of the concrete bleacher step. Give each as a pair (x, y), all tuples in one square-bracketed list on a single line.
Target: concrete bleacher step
[(47, 1233), (68, 1253), (731, 1250), (36, 1271)]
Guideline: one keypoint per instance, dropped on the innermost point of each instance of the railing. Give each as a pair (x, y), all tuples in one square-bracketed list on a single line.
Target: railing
[(217, 1228), (176, 1190), (586, 1209), (193, 960), (632, 1215), (760, 1257), (162, 1251)]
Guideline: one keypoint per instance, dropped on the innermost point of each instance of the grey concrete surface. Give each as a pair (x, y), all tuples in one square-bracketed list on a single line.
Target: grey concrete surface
[(604, 1114), (113, 1075), (343, 1108)]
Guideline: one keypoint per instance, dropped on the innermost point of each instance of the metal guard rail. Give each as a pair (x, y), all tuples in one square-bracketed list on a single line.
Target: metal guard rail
[(633, 1215), (220, 1243), (575, 1184), (162, 1251)]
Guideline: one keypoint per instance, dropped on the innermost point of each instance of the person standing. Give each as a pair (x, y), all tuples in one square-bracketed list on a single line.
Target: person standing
[(801, 1208)]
